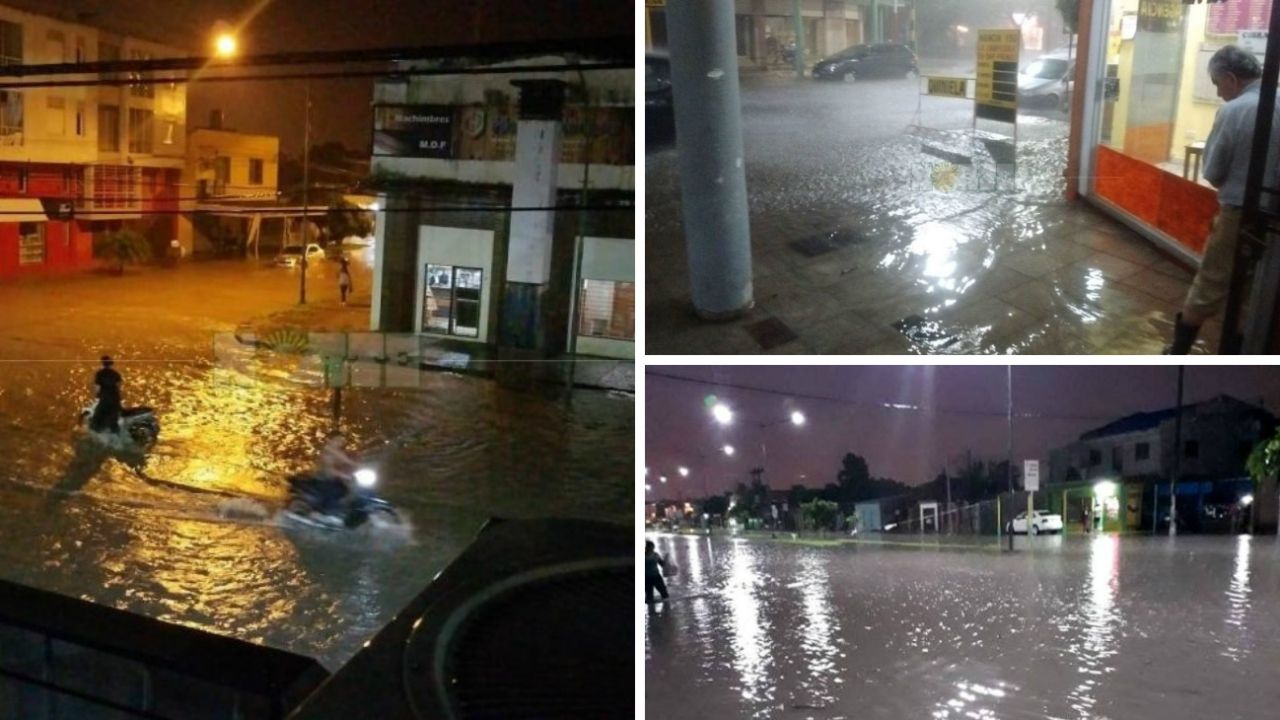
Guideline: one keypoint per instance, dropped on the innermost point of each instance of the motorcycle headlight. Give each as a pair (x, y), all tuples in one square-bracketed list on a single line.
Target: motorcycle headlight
[(366, 478)]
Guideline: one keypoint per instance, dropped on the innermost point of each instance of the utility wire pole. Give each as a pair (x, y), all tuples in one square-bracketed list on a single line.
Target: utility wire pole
[(306, 181), (1177, 461)]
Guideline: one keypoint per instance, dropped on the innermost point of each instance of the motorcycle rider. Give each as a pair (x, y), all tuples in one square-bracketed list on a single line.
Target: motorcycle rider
[(336, 473), (107, 414)]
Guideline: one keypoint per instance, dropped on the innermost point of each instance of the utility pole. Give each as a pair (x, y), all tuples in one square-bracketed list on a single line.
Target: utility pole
[(1177, 461), (306, 166)]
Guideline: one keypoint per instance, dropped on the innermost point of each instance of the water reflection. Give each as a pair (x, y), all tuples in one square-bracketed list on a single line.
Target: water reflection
[(819, 632), (749, 626), (1238, 601), (1099, 618)]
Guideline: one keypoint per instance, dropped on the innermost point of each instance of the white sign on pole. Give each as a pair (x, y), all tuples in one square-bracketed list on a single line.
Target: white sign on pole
[(1031, 475)]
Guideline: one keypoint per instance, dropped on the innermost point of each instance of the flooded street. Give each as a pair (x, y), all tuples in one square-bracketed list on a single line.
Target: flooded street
[(1132, 627), (880, 224), (187, 532)]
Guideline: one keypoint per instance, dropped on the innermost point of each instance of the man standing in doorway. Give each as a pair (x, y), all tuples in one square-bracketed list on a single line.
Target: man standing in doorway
[(1236, 73)]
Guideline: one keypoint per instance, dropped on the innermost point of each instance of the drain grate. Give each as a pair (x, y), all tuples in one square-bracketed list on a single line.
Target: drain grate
[(771, 333)]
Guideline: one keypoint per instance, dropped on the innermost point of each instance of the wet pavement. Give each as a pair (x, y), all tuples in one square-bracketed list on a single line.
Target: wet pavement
[(881, 224), (1132, 627), (188, 532)]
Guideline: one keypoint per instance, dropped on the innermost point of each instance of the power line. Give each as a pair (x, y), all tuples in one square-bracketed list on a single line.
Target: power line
[(627, 207)]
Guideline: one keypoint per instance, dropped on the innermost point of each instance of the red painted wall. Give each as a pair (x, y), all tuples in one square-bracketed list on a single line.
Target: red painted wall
[(68, 246)]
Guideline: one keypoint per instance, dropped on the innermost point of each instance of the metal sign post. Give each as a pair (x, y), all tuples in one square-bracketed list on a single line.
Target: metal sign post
[(1030, 483)]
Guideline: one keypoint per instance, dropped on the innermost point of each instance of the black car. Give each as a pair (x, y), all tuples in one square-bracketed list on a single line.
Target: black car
[(659, 111), (867, 61)]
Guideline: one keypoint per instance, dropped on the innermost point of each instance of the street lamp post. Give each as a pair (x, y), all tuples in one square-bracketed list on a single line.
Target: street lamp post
[(306, 181)]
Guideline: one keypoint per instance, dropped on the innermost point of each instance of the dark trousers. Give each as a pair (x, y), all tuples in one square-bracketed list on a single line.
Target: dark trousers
[(650, 583), (106, 417), (344, 289)]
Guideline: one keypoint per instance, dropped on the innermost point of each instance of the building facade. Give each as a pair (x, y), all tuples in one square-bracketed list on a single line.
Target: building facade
[(479, 235), (228, 174), (1132, 461), (79, 161)]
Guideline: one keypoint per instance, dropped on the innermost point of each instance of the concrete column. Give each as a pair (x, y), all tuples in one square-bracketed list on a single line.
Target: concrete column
[(529, 250), (397, 266), (713, 181)]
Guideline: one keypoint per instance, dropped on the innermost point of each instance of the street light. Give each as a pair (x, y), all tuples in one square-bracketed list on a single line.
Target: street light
[(1247, 500), (797, 417), (663, 478), (728, 450), (224, 45), (684, 471), (722, 414)]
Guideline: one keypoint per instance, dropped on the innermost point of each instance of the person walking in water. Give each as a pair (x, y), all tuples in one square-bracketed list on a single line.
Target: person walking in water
[(653, 566), (344, 280)]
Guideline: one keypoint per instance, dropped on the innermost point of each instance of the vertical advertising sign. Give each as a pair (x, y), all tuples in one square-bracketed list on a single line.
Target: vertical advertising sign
[(537, 163), (997, 86)]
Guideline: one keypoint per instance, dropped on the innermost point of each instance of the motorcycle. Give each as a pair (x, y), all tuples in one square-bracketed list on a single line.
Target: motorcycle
[(137, 423), (312, 502)]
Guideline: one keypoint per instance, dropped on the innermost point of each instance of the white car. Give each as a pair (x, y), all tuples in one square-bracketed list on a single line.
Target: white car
[(1041, 522), (291, 256)]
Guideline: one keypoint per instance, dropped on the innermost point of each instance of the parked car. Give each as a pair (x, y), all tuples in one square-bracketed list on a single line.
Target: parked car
[(1046, 81), (1041, 521), (291, 256), (659, 107), (867, 61)]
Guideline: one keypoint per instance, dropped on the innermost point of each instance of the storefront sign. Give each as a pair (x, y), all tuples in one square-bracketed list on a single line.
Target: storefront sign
[(1160, 16), (413, 131), (948, 87), (1254, 41), (1031, 475), (997, 87)]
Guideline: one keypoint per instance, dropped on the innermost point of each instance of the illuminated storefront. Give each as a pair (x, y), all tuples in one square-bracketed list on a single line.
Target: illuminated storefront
[(1143, 133)]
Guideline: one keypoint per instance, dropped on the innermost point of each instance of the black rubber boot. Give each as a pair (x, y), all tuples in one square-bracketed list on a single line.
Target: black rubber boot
[(1184, 336)]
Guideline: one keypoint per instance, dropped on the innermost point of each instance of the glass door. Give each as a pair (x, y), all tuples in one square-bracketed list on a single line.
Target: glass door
[(451, 300)]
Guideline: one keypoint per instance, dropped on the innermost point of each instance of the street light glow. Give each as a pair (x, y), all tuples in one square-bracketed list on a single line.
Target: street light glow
[(722, 413), (225, 45), (728, 450), (663, 478), (684, 471), (1105, 489), (797, 417), (647, 487), (1247, 500)]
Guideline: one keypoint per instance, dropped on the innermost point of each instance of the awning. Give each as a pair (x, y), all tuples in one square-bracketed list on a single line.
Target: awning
[(14, 210)]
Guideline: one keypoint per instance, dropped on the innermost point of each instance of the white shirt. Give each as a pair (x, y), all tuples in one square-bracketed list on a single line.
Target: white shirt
[(1230, 143)]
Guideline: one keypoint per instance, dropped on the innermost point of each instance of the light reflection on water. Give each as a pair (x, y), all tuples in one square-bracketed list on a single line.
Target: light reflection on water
[(1103, 627), (144, 531)]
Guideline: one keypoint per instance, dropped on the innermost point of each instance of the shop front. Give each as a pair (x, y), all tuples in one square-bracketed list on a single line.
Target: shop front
[(455, 276), (1143, 130)]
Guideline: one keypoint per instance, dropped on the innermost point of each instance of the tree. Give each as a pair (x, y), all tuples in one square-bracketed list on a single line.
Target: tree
[(820, 514), (345, 219), (853, 478), (1264, 460), (1070, 10), (122, 246), (715, 505)]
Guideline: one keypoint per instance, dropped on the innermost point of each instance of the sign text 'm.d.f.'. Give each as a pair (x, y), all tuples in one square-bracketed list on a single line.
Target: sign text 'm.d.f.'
[(414, 131)]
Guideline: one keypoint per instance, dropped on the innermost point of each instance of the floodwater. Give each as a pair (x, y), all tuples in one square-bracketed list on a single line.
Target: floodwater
[(188, 531), (951, 248), (1133, 627)]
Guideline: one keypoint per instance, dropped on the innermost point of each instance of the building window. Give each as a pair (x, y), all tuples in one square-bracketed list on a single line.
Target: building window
[(140, 138), (1142, 451), (451, 304), (1095, 458), (140, 89), (80, 123), (109, 128), (608, 310), (57, 46), (57, 124), (80, 50), (114, 186), (10, 117), (1117, 458), (255, 171), (221, 171), (10, 43), (30, 243), (1191, 449)]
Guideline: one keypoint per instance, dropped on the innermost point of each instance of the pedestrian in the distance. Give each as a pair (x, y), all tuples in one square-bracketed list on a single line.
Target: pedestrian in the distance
[(344, 280), (1237, 74), (654, 564)]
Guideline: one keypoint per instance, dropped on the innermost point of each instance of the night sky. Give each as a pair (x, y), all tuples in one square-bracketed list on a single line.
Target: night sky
[(340, 108), (950, 409)]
